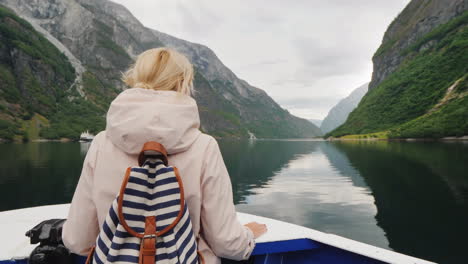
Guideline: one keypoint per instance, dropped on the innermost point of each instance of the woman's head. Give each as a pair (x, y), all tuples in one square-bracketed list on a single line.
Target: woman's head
[(161, 69)]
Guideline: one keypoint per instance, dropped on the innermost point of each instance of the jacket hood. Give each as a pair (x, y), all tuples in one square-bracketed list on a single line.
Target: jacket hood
[(139, 115)]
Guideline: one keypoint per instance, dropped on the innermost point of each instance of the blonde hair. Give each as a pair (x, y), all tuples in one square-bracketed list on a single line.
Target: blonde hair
[(161, 69)]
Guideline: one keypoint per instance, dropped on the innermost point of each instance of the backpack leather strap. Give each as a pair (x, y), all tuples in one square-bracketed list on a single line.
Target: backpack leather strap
[(89, 259), (120, 200), (148, 243), (154, 146)]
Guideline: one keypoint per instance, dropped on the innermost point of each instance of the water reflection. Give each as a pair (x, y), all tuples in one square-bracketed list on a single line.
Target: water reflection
[(307, 192), (84, 147), (411, 197), (252, 164), (420, 190), (38, 173), (340, 162)]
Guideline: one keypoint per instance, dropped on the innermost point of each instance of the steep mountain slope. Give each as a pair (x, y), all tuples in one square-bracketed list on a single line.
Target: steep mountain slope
[(339, 113), (104, 37), (250, 105), (34, 75), (419, 86), (317, 122)]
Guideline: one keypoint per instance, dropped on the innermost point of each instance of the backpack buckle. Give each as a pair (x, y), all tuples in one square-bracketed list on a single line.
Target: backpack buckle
[(149, 236)]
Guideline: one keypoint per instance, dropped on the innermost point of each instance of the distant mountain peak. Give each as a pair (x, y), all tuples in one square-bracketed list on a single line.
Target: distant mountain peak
[(101, 38), (339, 113), (419, 82), (316, 122)]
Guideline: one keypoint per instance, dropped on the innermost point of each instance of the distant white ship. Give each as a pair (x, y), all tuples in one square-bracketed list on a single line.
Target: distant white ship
[(251, 136), (86, 137)]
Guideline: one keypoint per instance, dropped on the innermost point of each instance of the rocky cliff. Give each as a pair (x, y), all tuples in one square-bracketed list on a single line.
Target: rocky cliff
[(249, 103), (416, 20), (34, 75), (339, 113), (101, 39), (419, 84)]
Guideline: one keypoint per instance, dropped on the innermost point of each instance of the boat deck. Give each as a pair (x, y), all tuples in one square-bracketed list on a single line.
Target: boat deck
[(283, 243)]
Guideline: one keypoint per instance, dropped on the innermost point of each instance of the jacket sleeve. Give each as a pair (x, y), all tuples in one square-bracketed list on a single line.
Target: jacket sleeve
[(225, 235), (81, 228)]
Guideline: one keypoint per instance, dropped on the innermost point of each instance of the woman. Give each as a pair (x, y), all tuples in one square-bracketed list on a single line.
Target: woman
[(159, 108)]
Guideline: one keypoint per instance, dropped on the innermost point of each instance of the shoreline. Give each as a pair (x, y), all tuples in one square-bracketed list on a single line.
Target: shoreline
[(53, 140), (444, 139), (40, 140), (65, 140)]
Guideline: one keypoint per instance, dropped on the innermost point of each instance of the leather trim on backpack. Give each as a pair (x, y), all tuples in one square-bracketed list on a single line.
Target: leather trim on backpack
[(120, 204), (148, 242), (200, 257), (155, 146), (90, 255), (149, 238)]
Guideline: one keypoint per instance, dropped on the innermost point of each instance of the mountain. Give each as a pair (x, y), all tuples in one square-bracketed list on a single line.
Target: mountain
[(100, 39), (34, 75), (316, 122), (339, 113), (246, 99), (419, 84)]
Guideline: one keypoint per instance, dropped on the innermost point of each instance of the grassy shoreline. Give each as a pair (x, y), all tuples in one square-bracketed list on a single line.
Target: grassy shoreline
[(361, 138)]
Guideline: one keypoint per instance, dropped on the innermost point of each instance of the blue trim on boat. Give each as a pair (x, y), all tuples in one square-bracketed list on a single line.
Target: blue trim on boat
[(305, 251), (284, 246), (297, 251), (321, 256)]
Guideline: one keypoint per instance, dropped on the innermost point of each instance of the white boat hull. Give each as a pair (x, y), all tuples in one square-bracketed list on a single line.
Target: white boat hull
[(283, 243)]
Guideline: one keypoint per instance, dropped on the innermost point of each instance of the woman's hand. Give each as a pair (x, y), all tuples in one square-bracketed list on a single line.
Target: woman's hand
[(257, 229)]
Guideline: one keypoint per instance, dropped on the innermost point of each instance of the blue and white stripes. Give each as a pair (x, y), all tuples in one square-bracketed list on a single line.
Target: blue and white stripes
[(152, 190)]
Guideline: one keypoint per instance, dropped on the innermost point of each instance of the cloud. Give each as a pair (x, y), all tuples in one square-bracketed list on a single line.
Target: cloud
[(321, 59), (309, 107), (198, 19), (266, 63), (314, 51), (305, 102)]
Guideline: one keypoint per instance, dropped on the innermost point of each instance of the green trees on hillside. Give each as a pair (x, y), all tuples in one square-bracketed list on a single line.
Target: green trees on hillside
[(37, 81), (401, 103), (450, 120)]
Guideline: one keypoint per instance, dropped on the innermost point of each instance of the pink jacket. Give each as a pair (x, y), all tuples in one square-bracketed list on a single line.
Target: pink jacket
[(135, 117)]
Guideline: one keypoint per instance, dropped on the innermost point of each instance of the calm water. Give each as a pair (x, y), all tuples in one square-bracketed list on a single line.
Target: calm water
[(409, 197)]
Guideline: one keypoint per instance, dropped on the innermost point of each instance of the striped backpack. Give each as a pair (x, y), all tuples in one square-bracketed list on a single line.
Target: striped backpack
[(148, 221)]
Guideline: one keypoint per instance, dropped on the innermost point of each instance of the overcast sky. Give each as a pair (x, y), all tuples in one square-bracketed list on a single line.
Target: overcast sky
[(306, 54)]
